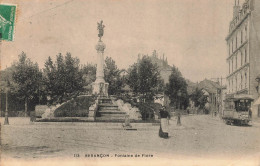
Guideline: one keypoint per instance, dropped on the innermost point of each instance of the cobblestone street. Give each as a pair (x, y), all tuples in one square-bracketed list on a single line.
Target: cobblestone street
[(200, 136)]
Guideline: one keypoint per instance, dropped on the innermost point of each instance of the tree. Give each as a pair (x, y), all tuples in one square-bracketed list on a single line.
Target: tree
[(133, 78), (7, 88), (28, 77), (89, 75), (144, 78), (112, 76), (198, 98), (64, 78), (176, 89)]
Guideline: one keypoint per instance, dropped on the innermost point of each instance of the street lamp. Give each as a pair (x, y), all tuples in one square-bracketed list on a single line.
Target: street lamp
[(179, 94), (6, 108)]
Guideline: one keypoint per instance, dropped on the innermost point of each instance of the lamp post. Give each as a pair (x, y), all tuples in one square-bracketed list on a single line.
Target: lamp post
[(179, 94), (6, 108)]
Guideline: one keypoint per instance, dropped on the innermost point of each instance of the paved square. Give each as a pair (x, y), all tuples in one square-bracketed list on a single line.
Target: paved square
[(199, 136)]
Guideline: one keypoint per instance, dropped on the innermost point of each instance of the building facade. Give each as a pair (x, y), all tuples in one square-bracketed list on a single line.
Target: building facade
[(243, 45), (162, 63), (212, 90)]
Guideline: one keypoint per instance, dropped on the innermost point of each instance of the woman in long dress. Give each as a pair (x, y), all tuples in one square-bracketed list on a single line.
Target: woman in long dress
[(164, 127)]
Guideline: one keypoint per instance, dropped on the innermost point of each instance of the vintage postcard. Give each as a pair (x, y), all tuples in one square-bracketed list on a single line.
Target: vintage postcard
[(130, 82)]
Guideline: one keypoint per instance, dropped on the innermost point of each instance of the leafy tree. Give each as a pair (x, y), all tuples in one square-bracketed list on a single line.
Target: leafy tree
[(133, 78), (144, 78), (176, 89), (198, 98), (28, 78), (64, 78), (7, 88), (112, 76), (6, 80), (89, 75)]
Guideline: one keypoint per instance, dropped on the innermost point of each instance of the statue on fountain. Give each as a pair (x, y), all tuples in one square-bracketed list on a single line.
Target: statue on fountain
[(100, 28)]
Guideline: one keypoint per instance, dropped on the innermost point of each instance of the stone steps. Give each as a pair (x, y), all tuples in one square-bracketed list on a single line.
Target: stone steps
[(113, 115), (110, 112), (110, 118), (108, 108), (117, 120)]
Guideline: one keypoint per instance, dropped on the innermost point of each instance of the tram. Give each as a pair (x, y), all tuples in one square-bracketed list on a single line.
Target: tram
[(237, 110)]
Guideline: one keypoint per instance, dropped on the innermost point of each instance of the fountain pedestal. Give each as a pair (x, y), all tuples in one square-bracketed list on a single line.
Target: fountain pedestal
[(100, 87)]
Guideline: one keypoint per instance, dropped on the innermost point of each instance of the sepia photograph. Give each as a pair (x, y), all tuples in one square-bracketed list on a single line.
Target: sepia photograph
[(130, 82)]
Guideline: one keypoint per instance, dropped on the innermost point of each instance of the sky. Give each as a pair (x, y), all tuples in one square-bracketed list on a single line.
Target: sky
[(191, 33)]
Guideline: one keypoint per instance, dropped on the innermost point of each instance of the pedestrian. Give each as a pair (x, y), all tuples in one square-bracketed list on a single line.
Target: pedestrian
[(250, 113), (179, 119), (165, 116), (32, 116)]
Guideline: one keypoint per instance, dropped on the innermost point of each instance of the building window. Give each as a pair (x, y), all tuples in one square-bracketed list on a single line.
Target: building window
[(232, 46), (232, 85), (229, 86), (236, 61), (232, 65), (236, 41), (241, 58), (236, 83), (245, 55), (241, 36), (245, 32), (229, 49), (245, 80), (241, 84), (229, 66)]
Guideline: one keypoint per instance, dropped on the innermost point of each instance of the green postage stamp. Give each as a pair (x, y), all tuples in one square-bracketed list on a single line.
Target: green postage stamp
[(7, 21)]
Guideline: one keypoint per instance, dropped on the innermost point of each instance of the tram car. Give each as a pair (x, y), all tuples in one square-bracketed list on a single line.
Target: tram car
[(237, 110)]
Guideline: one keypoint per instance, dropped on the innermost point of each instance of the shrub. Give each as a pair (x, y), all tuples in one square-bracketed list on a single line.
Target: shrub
[(148, 110), (77, 107)]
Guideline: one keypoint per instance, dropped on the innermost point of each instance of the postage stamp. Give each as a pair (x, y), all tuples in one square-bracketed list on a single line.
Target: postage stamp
[(7, 21)]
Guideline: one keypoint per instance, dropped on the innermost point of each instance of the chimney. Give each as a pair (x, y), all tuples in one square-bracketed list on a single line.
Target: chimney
[(236, 8)]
